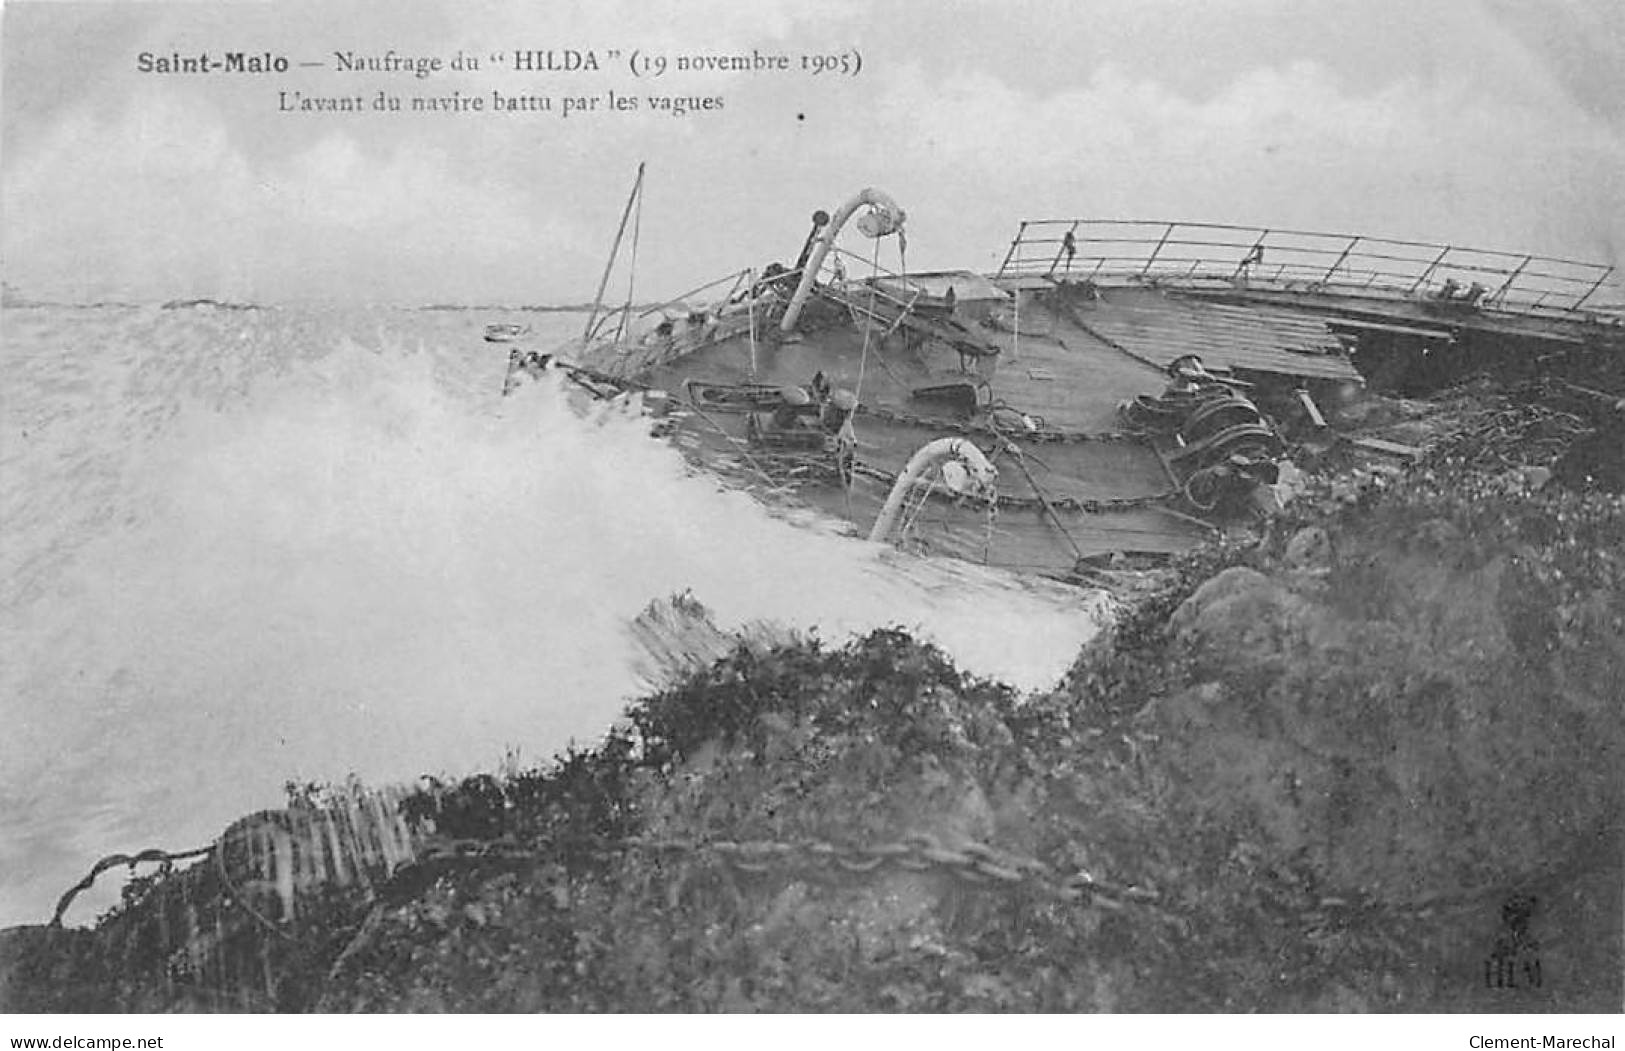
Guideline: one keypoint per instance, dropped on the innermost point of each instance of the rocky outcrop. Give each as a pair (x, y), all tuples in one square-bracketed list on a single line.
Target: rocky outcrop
[(677, 636), (1386, 715)]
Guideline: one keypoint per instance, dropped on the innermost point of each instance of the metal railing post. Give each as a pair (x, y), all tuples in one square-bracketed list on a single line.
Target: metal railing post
[(1349, 248), (1429, 271), (1593, 288), (1066, 239), (1255, 254), (1158, 250), (1387, 265), (1013, 244), (1500, 293)]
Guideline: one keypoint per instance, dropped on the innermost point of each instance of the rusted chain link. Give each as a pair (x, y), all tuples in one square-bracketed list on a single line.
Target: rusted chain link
[(976, 864), (790, 469), (973, 863), (164, 858), (1041, 436), (1010, 502), (235, 896)]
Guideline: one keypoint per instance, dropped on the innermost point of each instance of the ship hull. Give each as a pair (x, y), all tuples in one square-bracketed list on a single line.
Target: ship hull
[(1039, 395)]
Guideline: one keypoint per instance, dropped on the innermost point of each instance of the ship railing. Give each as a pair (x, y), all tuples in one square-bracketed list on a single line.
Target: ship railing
[(742, 283), (623, 316), (860, 292), (1218, 255), (866, 312)]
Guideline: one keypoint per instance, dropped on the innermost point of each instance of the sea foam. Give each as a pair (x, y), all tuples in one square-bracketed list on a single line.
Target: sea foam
[(248, 547)]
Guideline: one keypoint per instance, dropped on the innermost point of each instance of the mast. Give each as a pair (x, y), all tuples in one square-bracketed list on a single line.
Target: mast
[(603, 283)]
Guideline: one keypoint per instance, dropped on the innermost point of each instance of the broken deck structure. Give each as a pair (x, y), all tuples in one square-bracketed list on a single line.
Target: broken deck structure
[(1123, 379), (1406, 310)]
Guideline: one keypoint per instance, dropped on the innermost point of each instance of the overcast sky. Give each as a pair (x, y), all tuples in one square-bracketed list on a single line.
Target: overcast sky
[(1495, 123)]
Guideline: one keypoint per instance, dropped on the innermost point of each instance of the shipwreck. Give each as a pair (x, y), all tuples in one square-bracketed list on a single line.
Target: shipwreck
[(1116, 390)]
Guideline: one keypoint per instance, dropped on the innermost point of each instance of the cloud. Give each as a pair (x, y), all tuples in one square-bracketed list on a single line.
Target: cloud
[(974, 119), (1578, 43), (159, 202), (1424, 159)]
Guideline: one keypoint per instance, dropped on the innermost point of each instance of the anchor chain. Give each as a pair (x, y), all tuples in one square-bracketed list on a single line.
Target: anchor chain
[(976, 864), (1022, 435), (1009, 502), (1042, 436), (791, 469), (972, 863), (163, 858)]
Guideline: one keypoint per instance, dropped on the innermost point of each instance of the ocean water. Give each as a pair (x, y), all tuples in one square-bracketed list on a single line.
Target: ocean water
[(247, 546)]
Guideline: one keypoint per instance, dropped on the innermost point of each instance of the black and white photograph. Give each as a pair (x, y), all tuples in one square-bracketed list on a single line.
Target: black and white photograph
[(821, 508)]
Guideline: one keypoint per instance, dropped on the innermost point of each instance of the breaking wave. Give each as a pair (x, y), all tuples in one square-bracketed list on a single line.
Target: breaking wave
[(248, 547)]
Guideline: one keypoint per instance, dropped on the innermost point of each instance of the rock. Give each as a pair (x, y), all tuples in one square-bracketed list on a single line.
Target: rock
[(1527, 479), (1389, 733), (1239, 617), (1189, 710), (1290, 482), (1594, 462), (1437, 534), (676, 637), (1310, 548), (1235, 583), (50, 970)]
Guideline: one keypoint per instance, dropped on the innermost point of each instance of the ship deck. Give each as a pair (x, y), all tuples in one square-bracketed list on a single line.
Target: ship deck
[(1103, 487), (1054, 353)]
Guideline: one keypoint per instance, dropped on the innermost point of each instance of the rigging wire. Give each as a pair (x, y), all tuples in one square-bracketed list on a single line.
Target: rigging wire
[(869, 327), (632, 268), (750, 308), (1015, 337), (912, 513), (863, 362)]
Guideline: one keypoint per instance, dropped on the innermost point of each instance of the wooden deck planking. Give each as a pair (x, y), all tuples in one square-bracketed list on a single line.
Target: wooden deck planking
[(1160, 328)]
